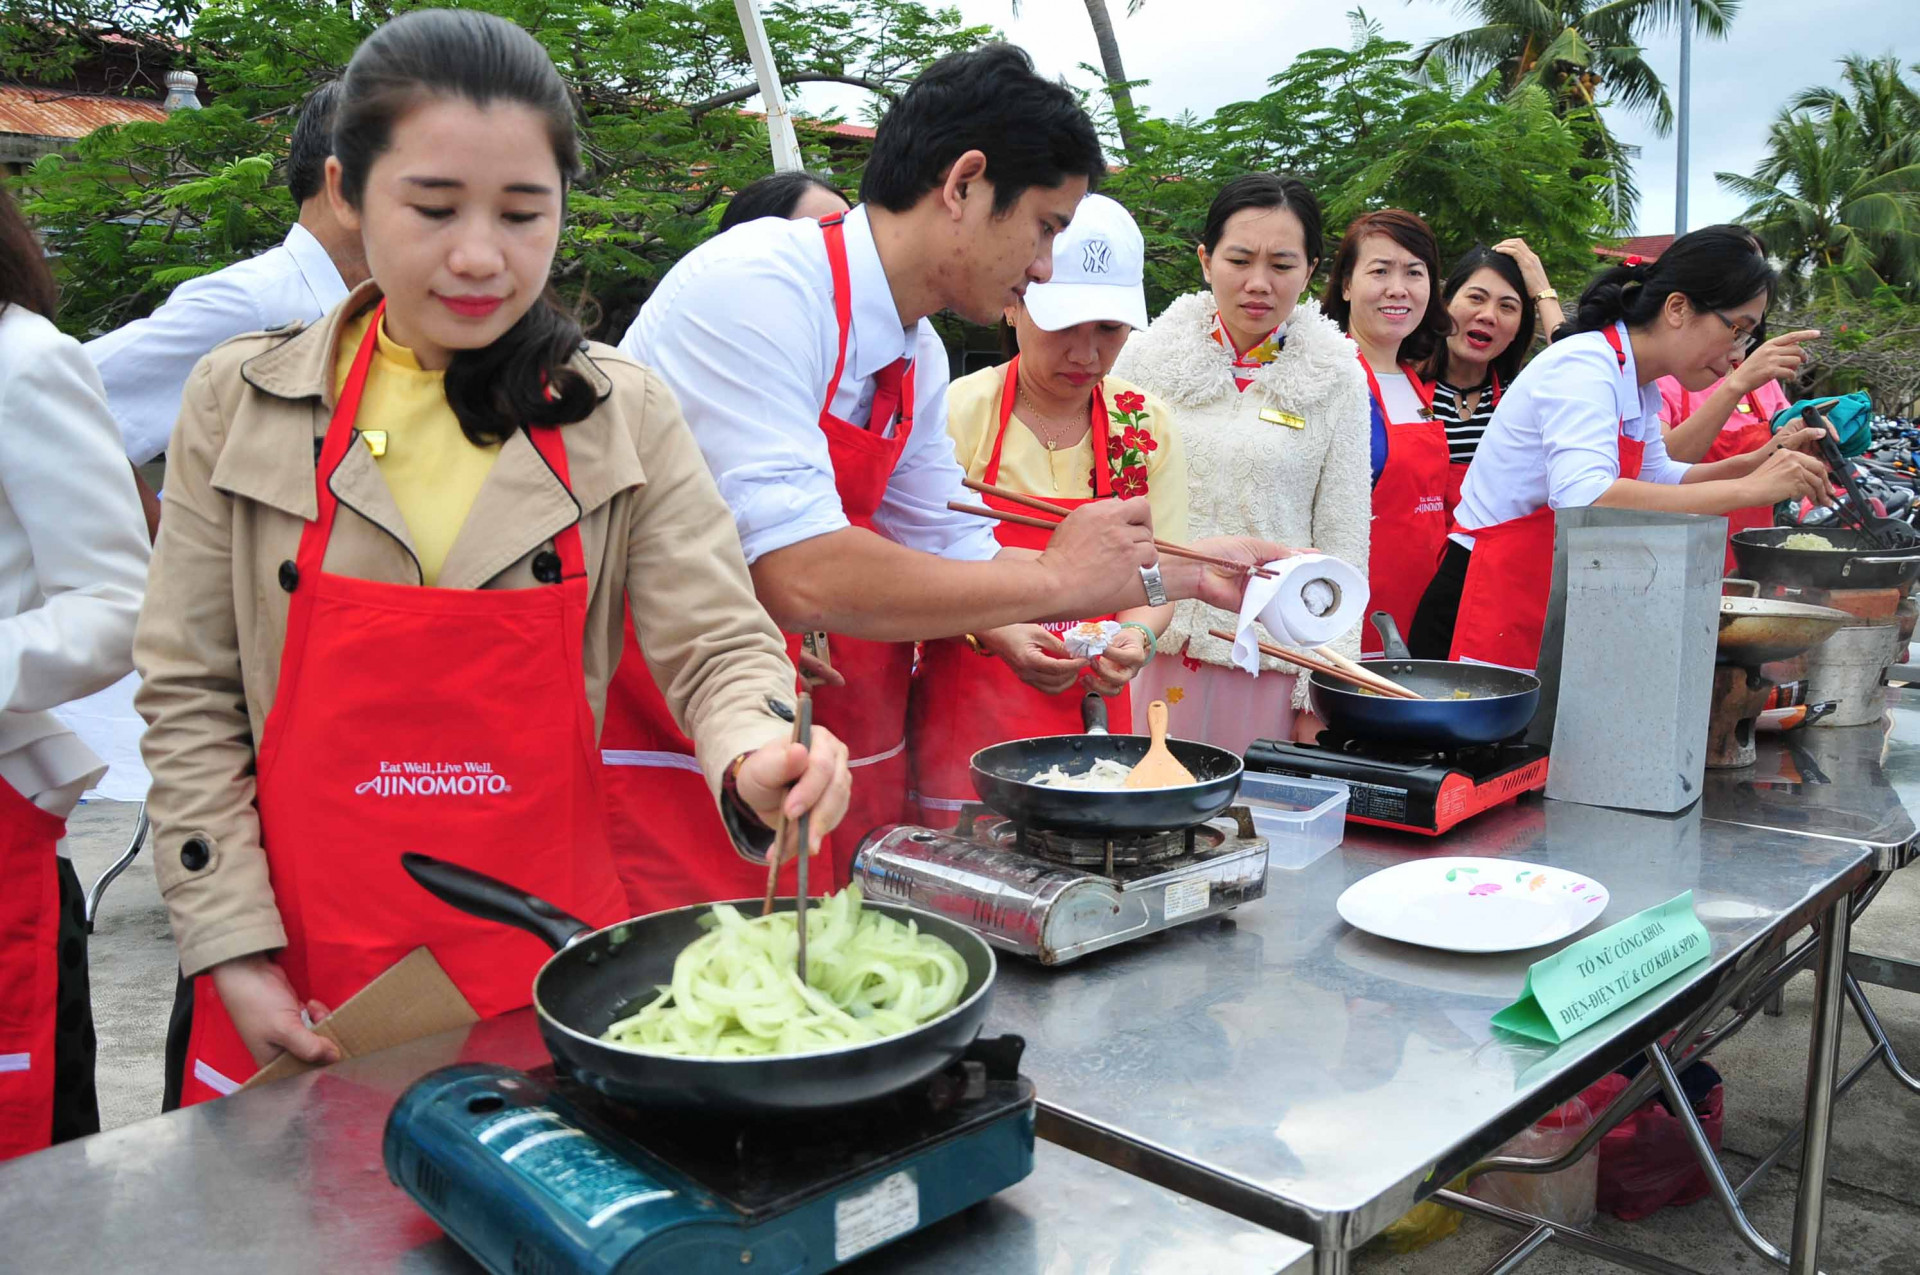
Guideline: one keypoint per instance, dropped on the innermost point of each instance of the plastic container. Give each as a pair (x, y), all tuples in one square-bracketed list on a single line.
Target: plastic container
[(1568, 1197), (1302, 819)]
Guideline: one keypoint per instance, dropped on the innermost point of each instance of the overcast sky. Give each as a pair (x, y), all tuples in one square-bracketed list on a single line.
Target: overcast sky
[(1199, 55)]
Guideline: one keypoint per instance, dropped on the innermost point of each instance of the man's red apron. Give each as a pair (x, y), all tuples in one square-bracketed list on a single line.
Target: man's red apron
[(1750, 434), (963, 702), (451, 721), (29, 970), (1409, 531), (668, 841), (669, 845), (1503, 604), (1457, 469)]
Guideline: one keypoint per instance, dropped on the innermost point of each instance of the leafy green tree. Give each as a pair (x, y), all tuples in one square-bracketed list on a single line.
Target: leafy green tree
[(131, 211), (1477, 162)]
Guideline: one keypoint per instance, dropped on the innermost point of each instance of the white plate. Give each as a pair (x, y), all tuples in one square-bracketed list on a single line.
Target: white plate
[(1473, 905)]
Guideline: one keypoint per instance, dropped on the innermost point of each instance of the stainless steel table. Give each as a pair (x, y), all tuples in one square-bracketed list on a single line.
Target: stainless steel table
[(288, 1179), (1321, 1081)]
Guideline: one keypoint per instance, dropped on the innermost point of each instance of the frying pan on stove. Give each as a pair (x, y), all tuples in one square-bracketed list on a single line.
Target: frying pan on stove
[(597, 977), (1502, 701), (1003, 774)]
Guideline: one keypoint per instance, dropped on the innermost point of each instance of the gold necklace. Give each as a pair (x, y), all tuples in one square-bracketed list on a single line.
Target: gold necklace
[(1036, 416)]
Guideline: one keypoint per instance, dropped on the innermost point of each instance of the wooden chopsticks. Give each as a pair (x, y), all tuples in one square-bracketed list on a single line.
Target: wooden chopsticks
[(1386, 684), (1046, 506), (1359, 677)]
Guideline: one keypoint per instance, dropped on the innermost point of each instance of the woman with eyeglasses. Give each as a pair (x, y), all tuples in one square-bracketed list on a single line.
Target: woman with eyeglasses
[(1733, 416), (1581, 426)]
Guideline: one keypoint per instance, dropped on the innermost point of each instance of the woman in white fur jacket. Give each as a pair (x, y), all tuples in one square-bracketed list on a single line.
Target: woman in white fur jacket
[(1272, 406)]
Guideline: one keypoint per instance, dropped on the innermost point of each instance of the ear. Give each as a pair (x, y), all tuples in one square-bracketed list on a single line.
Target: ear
[(1206, 263), (966, 179), (1676, 309), (345, 213)]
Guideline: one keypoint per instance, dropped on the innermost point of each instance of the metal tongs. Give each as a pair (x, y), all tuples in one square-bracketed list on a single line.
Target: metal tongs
[(1855, 506), (802, 734)]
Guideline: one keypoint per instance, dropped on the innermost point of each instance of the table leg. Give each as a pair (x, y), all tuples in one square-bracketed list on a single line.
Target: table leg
[(1823, 1064), (1329, 1261)]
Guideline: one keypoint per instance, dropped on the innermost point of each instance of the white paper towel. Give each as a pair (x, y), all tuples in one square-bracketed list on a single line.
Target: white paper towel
[(1310, 600)]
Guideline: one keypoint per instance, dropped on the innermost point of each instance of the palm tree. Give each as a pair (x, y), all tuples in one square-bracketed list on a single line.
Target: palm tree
[(1837, 196), (1576, 49), (1583, 53), (1118, 86)]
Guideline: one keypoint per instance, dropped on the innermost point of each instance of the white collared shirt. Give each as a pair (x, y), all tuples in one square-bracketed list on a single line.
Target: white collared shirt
[(145, 364), (1554, 438), (742, 329)]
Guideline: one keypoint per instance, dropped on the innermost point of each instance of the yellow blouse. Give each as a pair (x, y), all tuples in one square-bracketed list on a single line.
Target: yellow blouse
[(1026, 464), (432, 470)]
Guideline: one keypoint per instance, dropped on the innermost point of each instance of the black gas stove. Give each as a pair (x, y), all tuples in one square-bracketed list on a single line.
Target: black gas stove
[(1413, 789)]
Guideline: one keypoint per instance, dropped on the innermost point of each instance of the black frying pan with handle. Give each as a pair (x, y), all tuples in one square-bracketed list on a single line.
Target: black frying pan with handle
[(1003, 774), (1502, 701), (597, 977)]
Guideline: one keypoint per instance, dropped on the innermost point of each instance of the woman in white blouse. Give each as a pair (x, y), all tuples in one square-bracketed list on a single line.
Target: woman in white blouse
[(1272, 405), (73, 566), (1581, 426)]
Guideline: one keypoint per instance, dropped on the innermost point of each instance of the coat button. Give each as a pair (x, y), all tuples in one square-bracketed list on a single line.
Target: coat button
[(546, 567), (195, 854), (289, 576)]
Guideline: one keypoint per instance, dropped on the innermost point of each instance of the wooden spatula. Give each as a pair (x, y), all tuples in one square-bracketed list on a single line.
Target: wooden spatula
[(1159, 768)]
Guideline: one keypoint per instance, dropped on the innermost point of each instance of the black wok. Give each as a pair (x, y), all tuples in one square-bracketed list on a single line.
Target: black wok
[(1855, 562), (1001, 774), (597, 977), (1502, 702)]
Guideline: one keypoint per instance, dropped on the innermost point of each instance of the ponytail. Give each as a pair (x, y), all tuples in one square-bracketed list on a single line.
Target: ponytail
[(524, 377), (1716, 268)]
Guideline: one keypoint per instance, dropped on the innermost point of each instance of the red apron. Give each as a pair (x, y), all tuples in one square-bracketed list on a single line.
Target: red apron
[(408, 718), (1457, 469), (1409, 531), (963, 702), (668, 841), (29, 970), (1503, 604), (1750, 435)]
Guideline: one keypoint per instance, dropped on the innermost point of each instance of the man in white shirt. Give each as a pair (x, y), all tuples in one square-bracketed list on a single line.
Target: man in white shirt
[(973, 172), (145, 364)]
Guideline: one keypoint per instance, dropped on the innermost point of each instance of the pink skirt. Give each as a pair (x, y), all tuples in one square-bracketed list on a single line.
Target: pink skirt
[(1215, 704)]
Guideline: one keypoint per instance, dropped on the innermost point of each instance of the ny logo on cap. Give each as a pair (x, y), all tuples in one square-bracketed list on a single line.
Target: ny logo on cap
[(1097, 257)]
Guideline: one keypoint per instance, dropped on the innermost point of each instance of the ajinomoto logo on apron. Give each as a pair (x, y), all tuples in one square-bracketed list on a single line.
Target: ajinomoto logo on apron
[(435, 779)]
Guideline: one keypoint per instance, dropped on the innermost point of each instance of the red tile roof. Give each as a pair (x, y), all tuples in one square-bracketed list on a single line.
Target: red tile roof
[(1645, 247), (40, 112)]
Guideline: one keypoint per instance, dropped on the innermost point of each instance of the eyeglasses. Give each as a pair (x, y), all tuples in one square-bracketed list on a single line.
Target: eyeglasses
[(1744, 339)]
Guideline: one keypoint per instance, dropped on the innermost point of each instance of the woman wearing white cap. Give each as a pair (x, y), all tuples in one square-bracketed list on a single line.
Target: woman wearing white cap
[(1051, 423), (1273, 406)]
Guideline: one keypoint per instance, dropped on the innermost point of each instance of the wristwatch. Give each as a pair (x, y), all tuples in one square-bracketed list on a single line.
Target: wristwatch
[(979, 647), (1546, 294), (1156, 590)]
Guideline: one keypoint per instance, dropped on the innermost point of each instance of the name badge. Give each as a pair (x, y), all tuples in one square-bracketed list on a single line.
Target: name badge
[(1743, 407), (376, 441), (1274, 416)]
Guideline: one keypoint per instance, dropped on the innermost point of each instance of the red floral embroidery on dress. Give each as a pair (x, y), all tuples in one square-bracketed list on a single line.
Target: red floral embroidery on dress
[(1127, 450)]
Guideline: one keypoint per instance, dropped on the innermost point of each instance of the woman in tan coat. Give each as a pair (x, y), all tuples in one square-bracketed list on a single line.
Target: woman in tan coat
[(386, 597)]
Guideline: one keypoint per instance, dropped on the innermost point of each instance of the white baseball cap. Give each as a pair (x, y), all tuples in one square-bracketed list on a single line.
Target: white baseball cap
[(1097, 271)]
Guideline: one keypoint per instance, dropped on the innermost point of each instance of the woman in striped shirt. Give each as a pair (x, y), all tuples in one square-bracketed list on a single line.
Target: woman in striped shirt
[(1490, 303)]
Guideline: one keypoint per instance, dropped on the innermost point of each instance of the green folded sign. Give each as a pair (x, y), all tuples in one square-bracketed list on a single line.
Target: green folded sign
[(1582, 983)]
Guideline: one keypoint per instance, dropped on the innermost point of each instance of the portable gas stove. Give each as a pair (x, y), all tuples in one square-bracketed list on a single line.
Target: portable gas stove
[(534, 1174), (1055, 897), (1413, 789)]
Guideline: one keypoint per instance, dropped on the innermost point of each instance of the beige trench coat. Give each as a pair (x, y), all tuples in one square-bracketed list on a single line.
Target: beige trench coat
[(240, 486)]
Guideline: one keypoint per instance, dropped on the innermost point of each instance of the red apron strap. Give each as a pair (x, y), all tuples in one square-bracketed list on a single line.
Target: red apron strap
[(1422, 390), (553, 449), (834, 229), (1009, 387), (1612, 333), (1495, 377), (1759, 412), (1102, 465)]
